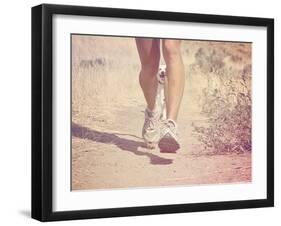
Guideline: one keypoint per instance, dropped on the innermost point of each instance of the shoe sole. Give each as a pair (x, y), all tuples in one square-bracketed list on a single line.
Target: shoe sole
[(168, 145)]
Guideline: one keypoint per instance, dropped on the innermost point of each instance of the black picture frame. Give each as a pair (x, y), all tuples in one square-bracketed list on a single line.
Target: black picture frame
[(42, 107)]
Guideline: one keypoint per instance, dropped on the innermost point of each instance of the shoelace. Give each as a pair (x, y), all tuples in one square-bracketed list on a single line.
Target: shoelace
[(170, 125), (150, 122)]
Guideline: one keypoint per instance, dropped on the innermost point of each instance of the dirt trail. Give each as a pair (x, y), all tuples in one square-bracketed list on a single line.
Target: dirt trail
[(108, 152)]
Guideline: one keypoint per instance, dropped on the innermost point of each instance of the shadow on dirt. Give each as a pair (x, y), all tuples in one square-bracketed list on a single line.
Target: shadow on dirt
[(122, 143)]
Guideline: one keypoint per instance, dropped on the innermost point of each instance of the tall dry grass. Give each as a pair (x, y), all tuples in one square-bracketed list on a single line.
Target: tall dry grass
[(104, 73)]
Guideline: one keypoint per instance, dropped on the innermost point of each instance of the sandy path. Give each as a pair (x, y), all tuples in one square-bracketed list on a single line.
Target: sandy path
[(106, 158)]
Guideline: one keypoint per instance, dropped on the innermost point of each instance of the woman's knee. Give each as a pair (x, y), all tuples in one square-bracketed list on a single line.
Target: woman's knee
[(150, 64), (171, 49)]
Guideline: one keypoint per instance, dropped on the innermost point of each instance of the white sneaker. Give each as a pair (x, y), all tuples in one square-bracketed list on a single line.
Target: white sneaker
[(150, 130), (169, 138)]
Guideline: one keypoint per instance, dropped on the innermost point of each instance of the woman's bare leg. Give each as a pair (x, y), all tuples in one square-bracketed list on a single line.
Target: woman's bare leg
[(149, 53), (175, 75)]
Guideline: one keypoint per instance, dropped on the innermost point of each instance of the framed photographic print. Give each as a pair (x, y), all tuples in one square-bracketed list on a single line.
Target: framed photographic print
[(140, 112)]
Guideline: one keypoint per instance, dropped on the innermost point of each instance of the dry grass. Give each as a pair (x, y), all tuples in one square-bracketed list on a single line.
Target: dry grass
[(102, 74), (226, 100)]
